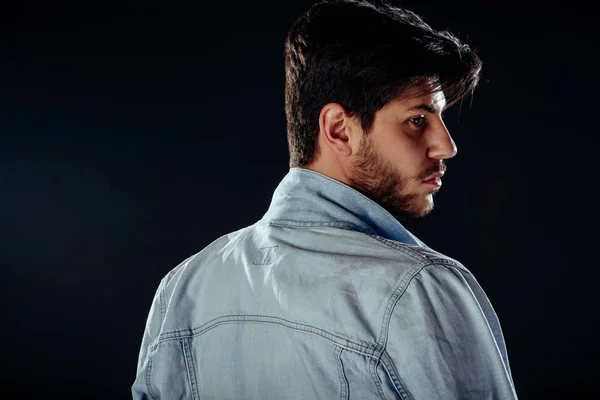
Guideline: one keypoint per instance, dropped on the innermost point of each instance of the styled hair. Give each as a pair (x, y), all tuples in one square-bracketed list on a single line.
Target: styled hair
[(362, 56)]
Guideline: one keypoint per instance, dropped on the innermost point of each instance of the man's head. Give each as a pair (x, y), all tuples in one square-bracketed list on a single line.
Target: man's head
[(365, 89)]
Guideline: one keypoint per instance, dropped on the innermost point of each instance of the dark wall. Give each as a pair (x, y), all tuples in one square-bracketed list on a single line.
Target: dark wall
[(133, 134)]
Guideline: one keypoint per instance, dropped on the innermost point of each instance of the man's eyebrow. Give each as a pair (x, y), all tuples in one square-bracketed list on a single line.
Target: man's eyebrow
[(425, 107)]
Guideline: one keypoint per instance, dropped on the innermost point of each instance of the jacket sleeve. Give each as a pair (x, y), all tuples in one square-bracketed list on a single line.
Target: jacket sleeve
[(444, 339), (141, 389)]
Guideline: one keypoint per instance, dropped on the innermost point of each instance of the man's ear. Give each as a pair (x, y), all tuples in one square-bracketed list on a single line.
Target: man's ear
[(335, 129)]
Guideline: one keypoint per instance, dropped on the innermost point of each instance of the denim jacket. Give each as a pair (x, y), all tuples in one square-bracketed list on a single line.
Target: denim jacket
[(327, 296)]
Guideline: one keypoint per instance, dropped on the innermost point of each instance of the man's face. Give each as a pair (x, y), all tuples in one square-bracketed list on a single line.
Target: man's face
[(405, 147)]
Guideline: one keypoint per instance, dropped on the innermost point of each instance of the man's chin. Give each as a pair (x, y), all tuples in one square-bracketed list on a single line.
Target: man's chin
[(410, 206), (411, 213), (420, 210)]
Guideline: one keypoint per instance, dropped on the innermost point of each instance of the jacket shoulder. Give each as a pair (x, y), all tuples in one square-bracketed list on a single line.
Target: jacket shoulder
[(193, 263), (422, 254)]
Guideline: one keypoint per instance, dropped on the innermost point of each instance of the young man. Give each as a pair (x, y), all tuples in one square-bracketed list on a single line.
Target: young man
[(328, 296)]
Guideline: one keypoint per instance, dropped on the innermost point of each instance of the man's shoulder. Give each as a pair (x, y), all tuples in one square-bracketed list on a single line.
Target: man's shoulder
[(367, 249), (242, 269), (423, 255), (191, 264)]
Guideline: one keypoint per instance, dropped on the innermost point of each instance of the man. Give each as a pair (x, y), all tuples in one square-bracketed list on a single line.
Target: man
[(328, 295)]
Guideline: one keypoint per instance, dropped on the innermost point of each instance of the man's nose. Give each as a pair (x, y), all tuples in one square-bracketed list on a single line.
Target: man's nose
[(441, 145)]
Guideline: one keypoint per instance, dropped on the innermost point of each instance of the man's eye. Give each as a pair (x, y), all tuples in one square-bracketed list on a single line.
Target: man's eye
[(419, 122)]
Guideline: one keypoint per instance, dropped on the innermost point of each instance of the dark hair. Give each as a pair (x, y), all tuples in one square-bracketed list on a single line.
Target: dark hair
[(362, 56)]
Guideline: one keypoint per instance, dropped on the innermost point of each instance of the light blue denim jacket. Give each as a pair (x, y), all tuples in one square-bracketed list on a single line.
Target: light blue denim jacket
[(327, 296)]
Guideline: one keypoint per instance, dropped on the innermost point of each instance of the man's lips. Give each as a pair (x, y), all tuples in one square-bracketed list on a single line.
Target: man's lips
[(435, 179)]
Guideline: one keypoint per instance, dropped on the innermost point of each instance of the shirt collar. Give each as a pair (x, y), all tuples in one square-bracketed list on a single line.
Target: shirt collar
[(304, 195)]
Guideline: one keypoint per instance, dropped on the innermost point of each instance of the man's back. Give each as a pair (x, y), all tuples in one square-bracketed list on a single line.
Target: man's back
[(319, 305)]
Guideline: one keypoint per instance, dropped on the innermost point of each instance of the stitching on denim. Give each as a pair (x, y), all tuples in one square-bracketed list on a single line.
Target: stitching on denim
[(189, 364), (267, 251), (423, 257), (148, 385), (180, 272), (391, 373), (344, 385), (382, 339), (317, 224), (373, 370), (367, 350), (387, 316), (161, 299), (401, 247)]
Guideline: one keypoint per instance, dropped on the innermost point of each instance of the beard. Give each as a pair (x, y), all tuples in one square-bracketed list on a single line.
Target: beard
[(382, 183)]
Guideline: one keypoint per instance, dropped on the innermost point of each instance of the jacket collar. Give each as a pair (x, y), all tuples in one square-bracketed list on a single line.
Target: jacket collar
[(306, 196)]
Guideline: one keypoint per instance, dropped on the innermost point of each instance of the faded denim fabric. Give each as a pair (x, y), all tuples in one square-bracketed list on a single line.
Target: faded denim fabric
[(327, 296)]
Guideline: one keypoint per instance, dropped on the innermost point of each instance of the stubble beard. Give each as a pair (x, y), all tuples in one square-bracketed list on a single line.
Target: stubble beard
[(382, 183)]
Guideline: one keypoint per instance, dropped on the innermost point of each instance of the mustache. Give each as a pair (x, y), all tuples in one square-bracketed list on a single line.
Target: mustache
[(441, 167)]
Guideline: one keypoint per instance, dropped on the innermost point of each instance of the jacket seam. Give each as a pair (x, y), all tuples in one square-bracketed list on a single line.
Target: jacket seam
[(402, 287), (370, 351), (348, 226), (189, 365), (148, 380), (395, 378), (317, 224), (428, 259), (385, 325), (161, 299), (383, 334), (403, 247), (344, 386), (387, 316), (376, 380)]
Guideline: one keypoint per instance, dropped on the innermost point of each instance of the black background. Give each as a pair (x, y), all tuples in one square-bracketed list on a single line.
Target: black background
[(133, 134)]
